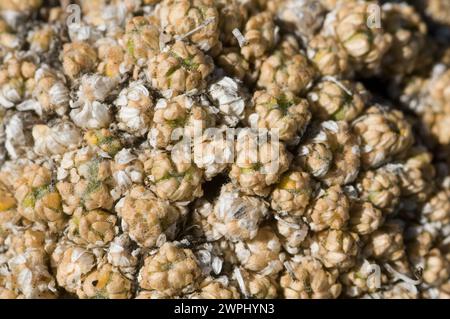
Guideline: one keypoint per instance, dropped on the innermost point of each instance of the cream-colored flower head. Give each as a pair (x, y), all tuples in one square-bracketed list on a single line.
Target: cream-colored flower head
[(330, 209), (365, 218), (176, 118), (408, 31), (77, 58), (306, 278), (196, 20), (172, 176), (385, 133), (179, 68), (172, 270), (281, 110), (381, 187), (260, 34), (386, 243), (437, 208), (95, 228), (38, 199), (331, 153), (287, 69), (363, 39), (293, 193), (141, 39), (336, 249), (84, 180), (329, 57), (335, 100), (259, 164), (147, 219), (73, 264)]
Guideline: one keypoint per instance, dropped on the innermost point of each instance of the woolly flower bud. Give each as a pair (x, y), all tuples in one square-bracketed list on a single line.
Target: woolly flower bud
[(121, 255), (364, 277), (365, 218), (37, 197), (111, 56), (196, 20), (126, 171), (141, 39), (50, 93), (329, 210), (84, 180), (213, 152), (335, 248), (380, 187), (293, 193), (148, 220), (386, 243), (328, 57), (104, 140), (90, 115), (172, 177), (42, 39), (286, 70), (260, 35), (384, 134), (337, 101), (351, 23), (282, 111), (258, 165), (16, 78), (95, 88), (235, 65), (172, 271), (408, 38), (306, 278), (437, 209), (331, 154), (32, 276), (417, 175), (178, 113), (19, 140), (437, 268), (92, 228), (180, 68)]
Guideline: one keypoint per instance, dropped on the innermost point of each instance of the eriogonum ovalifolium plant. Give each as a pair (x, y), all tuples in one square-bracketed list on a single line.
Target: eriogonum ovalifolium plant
[(225, 149)]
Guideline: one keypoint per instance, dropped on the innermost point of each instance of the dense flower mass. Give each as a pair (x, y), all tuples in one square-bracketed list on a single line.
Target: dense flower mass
[(225, 149)]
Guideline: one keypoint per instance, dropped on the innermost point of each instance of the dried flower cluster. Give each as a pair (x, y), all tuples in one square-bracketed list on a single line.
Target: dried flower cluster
[(103, 193)]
